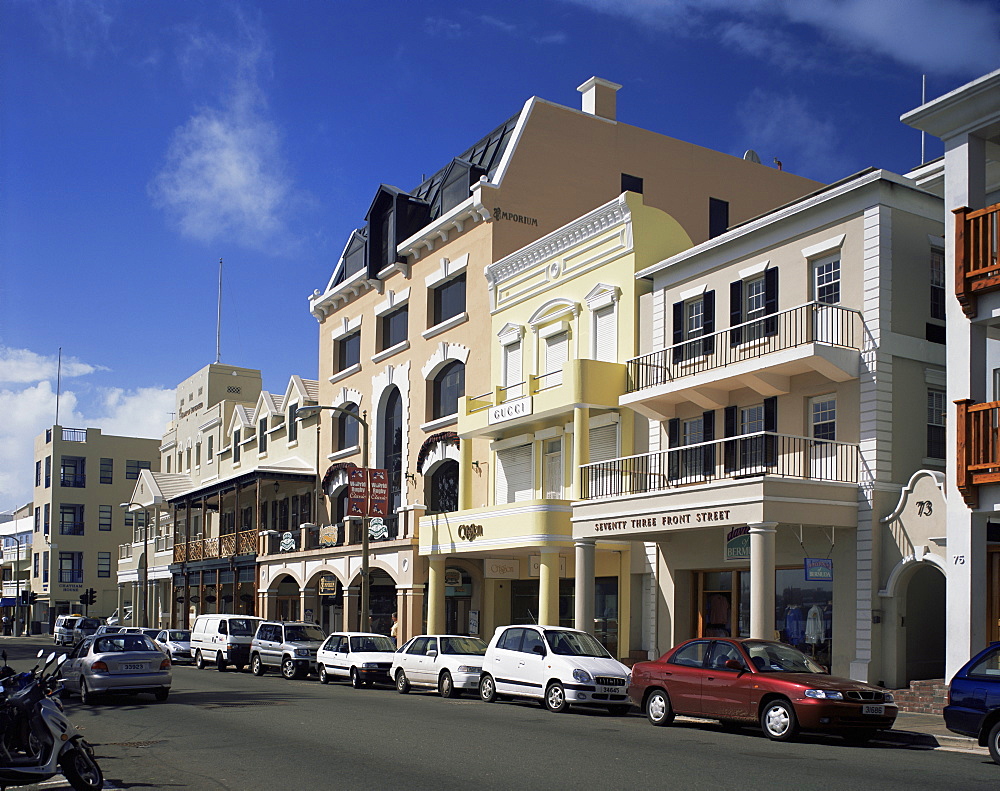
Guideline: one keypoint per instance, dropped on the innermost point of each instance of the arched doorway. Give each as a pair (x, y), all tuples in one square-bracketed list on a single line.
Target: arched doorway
[(924, 623), (381, 600), (286, 606)]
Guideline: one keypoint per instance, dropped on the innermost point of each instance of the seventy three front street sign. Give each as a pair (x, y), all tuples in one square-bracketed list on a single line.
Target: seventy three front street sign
[(368, 492)]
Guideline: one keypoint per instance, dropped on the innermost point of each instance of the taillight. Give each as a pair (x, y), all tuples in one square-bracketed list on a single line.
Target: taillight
[(99, 667), (165, 664)]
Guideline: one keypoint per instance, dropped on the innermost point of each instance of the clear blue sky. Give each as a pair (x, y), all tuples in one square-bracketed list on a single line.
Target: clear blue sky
[(143, 141)]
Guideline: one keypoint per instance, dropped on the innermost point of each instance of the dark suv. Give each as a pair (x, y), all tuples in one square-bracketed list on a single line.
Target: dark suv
[(288, 645), (974, 700)]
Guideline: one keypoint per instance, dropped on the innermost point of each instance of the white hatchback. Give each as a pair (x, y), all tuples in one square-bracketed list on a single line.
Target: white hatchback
[(363, 657), (447, 662), (561, 667)]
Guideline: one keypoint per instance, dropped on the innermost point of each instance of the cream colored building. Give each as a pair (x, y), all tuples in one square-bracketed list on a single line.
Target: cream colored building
[(81, 477), (16, 532), (790, 383), (238, 481), (403, 318)]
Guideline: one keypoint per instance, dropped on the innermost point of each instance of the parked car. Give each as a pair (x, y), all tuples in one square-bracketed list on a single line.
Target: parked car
[(107, 629), (363, 657), (748, 681), (62, 632), (175, 643), (116, 663), (288, 645), (974, 700), (449, 663), (150, 633), (118, 617), (223, 639), (84, 627), (561, 667)]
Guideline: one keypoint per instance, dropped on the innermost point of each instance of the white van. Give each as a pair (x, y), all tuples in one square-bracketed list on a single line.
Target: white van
[(223, 639), (62, 634)]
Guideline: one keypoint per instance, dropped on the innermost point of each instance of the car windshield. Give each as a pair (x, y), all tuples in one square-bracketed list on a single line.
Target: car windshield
[(372, 643), (180, 635), (780, 658), (296, 634), (123, 642), (88, 623), (575, 644), (463, 645), (242, 627)]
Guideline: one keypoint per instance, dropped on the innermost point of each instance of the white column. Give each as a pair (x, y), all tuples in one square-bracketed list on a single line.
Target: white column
[(435, 594), (762, 535), (583, 616), (548, 586)]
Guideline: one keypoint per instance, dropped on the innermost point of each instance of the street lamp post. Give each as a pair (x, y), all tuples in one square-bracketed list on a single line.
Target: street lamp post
[(144, 567), (308, 411)]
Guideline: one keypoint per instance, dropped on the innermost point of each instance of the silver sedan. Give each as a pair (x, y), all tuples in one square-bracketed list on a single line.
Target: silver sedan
[(117, 663)]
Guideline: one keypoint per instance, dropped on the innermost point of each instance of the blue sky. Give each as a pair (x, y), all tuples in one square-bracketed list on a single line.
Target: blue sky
[(140, 142)]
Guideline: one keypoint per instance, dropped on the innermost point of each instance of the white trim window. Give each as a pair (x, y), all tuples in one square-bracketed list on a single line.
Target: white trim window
[(606, 334), (936, 411), (826, 280)]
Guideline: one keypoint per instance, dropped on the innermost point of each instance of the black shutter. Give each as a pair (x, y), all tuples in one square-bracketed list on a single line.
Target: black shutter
[(771, 300), (678, 354), (708, 322), (673, 441), (771, 426), (708, 452), (730, 428), (735, 312)]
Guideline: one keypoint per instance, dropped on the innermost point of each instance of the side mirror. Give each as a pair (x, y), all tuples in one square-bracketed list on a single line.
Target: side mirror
[(538, 649), (734, 664), (432, 653)]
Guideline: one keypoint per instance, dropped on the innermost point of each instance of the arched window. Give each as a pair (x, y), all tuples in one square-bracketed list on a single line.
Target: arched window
[(443, 488), (392, 447), (347, 427), (449, 386)]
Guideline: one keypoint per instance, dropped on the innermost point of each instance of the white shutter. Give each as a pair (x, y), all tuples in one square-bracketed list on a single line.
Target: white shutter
[(511, 364), (514, 481), (556, 354), (604, 443), (605, 334)]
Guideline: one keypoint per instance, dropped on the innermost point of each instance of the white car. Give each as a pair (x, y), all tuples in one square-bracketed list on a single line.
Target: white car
[(363, 657), (175, 643), (447, 662), (561, 667)]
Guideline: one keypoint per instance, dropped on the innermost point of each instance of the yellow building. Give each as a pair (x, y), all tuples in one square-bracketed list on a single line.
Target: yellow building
[(564, 313)]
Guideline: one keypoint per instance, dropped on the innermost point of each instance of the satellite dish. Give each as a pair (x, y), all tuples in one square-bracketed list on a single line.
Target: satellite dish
[(752, 156)]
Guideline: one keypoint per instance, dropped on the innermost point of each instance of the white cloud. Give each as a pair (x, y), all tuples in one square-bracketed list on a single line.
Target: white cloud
[(224, 175), (20, 366), (446, 28), (28, 405), (936, 36), (79, 28)]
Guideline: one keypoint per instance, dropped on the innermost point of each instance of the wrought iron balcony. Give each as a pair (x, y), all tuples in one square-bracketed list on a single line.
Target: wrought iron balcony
[(733, 458), (977, 269), (76, 480)]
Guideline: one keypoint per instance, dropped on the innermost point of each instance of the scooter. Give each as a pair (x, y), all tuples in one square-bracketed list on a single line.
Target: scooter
[(36, 740)]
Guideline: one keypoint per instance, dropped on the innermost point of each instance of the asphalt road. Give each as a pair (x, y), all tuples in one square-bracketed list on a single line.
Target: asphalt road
[(235, 731)]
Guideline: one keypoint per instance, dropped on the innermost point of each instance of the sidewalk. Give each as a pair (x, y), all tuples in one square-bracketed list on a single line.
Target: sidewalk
[(927, 731)]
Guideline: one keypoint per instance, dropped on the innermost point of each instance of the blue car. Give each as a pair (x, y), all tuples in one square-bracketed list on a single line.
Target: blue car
[(974, 700)]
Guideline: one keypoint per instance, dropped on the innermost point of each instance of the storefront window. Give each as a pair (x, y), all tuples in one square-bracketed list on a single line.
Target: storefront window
[(606, 613), (717, 604)]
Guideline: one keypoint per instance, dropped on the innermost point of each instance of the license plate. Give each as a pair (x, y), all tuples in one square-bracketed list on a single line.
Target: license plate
[(132, 666), (868, 708), (611, 690)]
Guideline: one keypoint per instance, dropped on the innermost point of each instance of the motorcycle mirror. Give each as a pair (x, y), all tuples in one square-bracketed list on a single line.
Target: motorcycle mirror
[(62, 659), (50, 657), (40, 652)]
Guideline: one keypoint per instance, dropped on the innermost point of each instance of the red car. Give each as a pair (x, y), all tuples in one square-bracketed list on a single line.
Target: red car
[(745, 681)]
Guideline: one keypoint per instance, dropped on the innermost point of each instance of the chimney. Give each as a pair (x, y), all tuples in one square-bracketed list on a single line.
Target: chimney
[(599, 97)]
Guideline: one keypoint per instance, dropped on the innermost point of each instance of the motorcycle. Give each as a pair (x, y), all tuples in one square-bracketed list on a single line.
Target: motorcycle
[(36, 740)]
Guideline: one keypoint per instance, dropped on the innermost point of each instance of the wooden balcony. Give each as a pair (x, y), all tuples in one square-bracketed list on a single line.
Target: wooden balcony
[(978, 447), (977, 270), (242, 543)]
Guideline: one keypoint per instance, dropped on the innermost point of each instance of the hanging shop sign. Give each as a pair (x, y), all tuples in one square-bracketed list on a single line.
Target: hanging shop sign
[(357, 492), (501, 568), (287, 543), (328, 535), (377, 529), (378, 492), (819, 569), (452, 577), (328, 585), (367, 492), (738, 544)]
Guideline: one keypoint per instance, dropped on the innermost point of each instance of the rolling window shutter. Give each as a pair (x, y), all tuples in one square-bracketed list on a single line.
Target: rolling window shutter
[(678, 331), (708, 434), (735, 312), (512, 364), (771, 299), (513, 481), (556, 354), (605, 329), (708, 322), (604, 443)]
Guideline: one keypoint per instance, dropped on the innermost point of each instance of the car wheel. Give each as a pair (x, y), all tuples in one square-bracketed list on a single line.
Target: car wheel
[(161, 694), (321, 674), (220, 662), (487, 689), (619, 710), (256, 666), (859, 736), (199, 660), (402, 682), (446, 686), (356, 680), (555, 698), (658, 708), (993, 742), (288, 669), (778, 720), (86, 696)]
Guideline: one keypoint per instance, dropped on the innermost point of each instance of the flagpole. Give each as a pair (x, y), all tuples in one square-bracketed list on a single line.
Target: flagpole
[(58, 383), (218, 320)]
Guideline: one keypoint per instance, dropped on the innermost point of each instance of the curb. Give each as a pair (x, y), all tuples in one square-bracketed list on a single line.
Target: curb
[(932, 741)]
